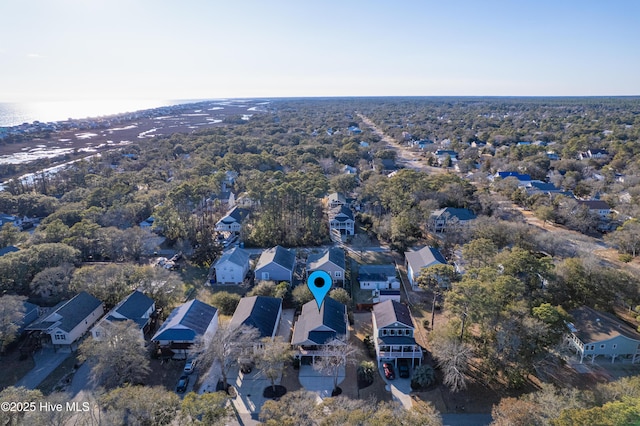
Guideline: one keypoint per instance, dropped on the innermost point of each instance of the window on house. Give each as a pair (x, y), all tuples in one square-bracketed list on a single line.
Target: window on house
[(59, 337), (615, 346), (384, 332), (392, 332), (338, 274), (602, 346)]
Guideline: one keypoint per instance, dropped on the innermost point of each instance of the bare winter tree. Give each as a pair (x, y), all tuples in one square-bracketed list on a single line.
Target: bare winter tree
[(337, 354), (271, 356), (11, 312), (453, 358), (118, 357), (227, 345)]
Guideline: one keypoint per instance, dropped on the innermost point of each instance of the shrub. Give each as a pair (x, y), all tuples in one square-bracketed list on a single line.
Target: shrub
[(366, 371), (226, 302), (423, 377), (625, 257)]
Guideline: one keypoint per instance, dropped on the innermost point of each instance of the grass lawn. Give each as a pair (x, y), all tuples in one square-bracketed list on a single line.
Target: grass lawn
[(192, 275)]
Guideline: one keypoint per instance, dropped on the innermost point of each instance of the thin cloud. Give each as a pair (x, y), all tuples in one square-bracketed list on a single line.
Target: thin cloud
[(34, 56)]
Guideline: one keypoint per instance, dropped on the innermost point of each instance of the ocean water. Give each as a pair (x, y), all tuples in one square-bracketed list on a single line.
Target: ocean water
[(14, 114)]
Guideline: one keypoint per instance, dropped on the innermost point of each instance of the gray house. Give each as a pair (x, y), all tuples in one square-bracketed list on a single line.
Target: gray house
[(276, 264), (332, 261), (419, 259), (594, 333), (315, 328)]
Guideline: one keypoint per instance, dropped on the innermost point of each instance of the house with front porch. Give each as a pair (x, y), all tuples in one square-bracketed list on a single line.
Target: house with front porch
[(69, 320), (449, 218), (593, 333), (185, 325), (232, 221), (341, 220), (317, 327), (393, 333)]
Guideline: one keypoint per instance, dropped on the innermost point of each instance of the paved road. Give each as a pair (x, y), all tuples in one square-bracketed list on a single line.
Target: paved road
[(46, 360), (405, 157), (466, 419)]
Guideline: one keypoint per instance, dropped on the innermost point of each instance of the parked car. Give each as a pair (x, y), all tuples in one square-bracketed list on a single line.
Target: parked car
[(182, 384), (190, 366), (388, 371), (403, 368)]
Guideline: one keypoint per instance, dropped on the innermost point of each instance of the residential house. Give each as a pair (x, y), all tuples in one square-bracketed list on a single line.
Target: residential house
[(349, 170), (31, 313), (335, 200), (538, 187), (69, 320), (232, 266), (599, 207), (596, 154), (523, 179), (276, 264), (388, 165), (393, 330), (341, 221), (232, 221), (443, 154), (378, 277), (184, 326), (136, 307), (449, 217), (416, 260), (316, 327), (261, 312), (331, 260), (593, 333)]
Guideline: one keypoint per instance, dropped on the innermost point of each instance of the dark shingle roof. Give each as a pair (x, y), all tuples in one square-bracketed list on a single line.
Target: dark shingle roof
[(76, 310), (134, 306), (341, 213), (260, 312), (318, 327), (389, 312), (187, 321), (460, 214)]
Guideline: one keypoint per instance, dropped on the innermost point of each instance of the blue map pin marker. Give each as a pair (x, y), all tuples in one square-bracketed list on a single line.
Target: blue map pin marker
[(319, 282)]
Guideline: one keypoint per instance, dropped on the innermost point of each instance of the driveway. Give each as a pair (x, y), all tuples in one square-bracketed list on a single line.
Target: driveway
[(249, 388), (46, 360), (400, 388), (313, 380)]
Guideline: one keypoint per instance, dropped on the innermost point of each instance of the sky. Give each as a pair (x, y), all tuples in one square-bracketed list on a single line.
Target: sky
[(202, 49)]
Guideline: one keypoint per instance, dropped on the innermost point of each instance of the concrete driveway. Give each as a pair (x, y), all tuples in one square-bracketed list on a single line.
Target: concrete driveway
[(400, 388), (46, 360), (313, 380)]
